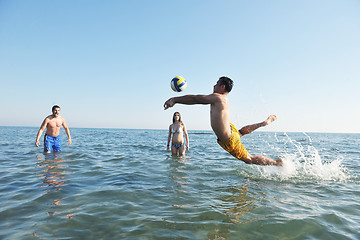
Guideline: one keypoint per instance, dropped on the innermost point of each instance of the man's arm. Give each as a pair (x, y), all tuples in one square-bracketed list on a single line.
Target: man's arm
[(41, 130), (67, 130), (191, 99)]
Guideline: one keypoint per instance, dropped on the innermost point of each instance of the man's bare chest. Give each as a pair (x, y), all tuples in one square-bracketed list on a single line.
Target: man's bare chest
[(54, 123)]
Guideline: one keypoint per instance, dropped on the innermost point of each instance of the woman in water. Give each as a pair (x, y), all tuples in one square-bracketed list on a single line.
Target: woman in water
[(177, 130)]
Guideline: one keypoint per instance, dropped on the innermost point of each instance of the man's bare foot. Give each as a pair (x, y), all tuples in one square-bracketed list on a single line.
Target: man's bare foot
[(279, 162), (269, 120)]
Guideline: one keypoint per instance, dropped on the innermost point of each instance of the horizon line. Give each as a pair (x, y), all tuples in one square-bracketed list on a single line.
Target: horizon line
[(165, 129)]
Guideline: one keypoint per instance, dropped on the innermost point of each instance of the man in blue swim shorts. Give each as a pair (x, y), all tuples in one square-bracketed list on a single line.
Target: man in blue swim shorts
[(52, 123)]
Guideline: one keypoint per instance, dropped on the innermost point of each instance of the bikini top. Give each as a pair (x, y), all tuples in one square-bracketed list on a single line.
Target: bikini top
[(179, 130)]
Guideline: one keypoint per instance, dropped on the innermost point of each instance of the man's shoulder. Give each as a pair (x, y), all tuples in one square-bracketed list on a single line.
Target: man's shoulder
[(51, 117), (218, 96), (61, 119)]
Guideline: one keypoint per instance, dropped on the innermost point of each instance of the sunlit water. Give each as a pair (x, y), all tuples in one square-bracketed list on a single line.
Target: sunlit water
[(122, 184)]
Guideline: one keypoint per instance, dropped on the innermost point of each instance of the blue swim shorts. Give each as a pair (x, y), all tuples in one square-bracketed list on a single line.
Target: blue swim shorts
[(52, 143)]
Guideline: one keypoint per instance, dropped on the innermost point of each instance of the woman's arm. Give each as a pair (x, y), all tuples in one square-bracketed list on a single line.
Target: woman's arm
[(168, 141), (186, 137)]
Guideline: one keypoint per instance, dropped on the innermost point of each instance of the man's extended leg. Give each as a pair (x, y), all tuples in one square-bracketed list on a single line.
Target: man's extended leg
[(250, 128), (261, 160)]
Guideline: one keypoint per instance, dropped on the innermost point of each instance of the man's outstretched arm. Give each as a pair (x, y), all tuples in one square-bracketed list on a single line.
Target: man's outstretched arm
[(190, 100)]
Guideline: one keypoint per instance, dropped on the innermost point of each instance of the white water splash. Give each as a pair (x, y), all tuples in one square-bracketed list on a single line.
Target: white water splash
[(303, 163)]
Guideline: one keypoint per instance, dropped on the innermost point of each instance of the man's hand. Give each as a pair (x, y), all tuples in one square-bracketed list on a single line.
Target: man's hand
[(69, 140), (169, 103), (37, 144)]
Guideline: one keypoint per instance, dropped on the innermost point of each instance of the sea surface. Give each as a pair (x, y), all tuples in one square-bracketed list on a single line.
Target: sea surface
[(123, 184)]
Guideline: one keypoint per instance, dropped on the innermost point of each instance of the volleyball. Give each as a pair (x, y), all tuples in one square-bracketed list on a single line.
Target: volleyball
[(178, 84)]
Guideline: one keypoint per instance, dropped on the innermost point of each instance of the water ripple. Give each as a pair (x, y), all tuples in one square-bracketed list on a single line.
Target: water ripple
[(122, 184)]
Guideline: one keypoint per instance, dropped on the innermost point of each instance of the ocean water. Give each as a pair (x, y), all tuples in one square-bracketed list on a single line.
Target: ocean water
[(122, 184)]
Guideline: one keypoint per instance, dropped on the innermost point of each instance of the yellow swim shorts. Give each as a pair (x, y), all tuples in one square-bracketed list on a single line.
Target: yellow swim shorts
[(233, 145)]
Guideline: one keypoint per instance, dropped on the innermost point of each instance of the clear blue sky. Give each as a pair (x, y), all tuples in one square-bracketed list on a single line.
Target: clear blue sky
[(109, 63)]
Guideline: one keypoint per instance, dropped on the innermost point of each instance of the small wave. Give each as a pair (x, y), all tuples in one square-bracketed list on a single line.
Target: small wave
[(201, 133)]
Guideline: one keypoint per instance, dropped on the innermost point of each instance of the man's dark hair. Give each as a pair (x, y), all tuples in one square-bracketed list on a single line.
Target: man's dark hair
[(55, 106), (227, 82)]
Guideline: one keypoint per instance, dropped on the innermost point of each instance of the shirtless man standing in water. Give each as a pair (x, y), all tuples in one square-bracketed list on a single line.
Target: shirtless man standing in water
[(228, 135), (52, 123)]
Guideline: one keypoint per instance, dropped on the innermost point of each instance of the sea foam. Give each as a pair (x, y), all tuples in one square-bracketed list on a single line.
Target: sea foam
[(302, 162)]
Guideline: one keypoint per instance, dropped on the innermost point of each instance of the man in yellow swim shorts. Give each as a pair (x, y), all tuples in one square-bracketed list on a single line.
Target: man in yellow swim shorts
[(228, 135), (233, 145)]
